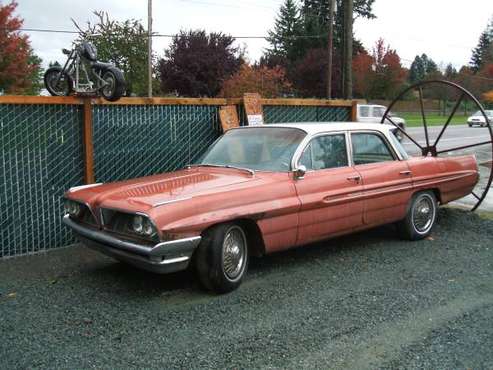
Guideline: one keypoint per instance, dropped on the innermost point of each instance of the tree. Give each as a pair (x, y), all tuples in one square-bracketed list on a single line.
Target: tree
[(19, 67), (363, 74), (389, 75), (287, 26), (36, 75), (268, 82), (422, 68), (480, 51), (196, 63), (125, 45)]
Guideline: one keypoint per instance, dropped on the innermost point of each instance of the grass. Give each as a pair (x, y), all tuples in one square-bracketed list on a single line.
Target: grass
[(414, 119)]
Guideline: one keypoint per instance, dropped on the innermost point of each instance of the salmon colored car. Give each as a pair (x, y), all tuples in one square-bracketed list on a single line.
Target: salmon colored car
[(264, 189)]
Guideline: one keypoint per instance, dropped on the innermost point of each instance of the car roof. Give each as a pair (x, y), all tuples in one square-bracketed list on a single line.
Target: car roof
[(313, 128)]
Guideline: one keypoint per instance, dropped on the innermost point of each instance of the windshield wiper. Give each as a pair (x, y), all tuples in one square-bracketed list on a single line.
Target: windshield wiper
[(250, 171)]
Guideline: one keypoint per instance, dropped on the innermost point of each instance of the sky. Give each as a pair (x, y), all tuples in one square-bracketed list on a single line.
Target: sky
[(446, 30)]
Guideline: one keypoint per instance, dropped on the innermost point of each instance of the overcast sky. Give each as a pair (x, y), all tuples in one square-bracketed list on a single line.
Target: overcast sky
[(446, 30)]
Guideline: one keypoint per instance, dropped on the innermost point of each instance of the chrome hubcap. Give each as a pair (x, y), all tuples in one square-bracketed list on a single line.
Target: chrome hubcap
[(234, 252), (423, 214)]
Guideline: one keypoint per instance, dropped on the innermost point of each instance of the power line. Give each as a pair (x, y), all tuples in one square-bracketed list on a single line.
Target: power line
[(159, 34)]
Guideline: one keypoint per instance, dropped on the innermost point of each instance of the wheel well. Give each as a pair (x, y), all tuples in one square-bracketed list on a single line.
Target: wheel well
[(437, 194), (256, 245), (435, 191)]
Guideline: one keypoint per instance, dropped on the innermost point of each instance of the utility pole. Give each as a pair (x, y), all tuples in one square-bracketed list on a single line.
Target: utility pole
[(348, 49), (149, 48), (330, 47)]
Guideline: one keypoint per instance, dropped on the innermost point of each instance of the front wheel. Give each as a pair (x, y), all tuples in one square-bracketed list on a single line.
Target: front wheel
[(57, 82), (114, 86), (420, 217), (221, 259)]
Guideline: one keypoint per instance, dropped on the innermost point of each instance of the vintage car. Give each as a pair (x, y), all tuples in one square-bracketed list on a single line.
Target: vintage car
[(264, 189)]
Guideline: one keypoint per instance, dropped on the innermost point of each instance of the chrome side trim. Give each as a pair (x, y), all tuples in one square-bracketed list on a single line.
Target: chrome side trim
[(158, 204), (80, 187)]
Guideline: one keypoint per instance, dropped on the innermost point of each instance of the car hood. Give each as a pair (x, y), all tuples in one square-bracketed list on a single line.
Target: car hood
[(148, 192), (477, 118)]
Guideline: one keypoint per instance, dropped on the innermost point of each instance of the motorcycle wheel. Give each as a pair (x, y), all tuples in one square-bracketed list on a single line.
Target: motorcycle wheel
[(115, 84), (64, 85)]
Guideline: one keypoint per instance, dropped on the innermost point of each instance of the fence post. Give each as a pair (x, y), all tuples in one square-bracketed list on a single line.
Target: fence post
[(354, 111), (88, 143)]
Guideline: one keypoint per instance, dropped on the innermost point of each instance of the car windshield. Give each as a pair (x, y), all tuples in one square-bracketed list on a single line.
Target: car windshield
[(259, 148), (489, 113)]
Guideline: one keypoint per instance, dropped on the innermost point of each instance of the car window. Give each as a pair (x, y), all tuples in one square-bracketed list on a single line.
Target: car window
[(323, 152), (370, 148), (378, 111), (364, 111), (257, 148)]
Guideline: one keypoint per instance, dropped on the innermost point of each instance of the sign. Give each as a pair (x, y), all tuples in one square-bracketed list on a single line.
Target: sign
[(253, 109), (228, 116)]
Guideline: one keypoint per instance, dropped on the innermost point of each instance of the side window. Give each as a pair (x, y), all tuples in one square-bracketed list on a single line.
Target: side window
[(370, 148), (324, 152), (364, 111)]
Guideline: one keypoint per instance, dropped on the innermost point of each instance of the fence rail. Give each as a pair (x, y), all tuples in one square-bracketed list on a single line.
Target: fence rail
[(49, 144)]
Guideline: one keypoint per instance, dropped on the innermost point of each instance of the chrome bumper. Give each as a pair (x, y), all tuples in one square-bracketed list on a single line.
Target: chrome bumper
[(161, 258)]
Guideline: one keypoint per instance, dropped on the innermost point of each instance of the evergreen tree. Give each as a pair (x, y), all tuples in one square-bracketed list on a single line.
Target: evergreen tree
[(286, 27), (479, 53), (450, 72), (421, 68)]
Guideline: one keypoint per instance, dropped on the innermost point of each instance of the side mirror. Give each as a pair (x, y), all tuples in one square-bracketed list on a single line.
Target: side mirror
[(299, 172)]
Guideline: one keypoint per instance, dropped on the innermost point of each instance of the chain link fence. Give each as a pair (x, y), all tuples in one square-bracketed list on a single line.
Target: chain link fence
[(42, 155)]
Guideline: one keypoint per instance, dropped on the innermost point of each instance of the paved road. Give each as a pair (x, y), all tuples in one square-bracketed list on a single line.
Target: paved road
[(365, 301), (453, 137)]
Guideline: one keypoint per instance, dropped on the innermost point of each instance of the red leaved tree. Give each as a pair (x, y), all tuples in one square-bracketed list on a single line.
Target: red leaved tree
[(268, 82), (16, 63), (363, 74)]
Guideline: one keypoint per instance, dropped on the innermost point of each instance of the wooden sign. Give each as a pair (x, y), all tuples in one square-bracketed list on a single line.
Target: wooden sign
[(253, 109), (228, 117)]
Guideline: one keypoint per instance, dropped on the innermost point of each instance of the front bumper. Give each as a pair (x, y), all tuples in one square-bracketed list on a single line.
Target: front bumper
[(161, 258)]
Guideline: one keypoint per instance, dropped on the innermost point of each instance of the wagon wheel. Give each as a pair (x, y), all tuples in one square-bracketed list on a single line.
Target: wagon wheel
[(431, 145)]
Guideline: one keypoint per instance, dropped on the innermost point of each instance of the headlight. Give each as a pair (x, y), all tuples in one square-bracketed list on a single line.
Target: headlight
[(73, 209), (142, 225)]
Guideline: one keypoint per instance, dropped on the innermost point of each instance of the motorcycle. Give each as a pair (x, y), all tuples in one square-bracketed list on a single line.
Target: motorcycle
[(84, 74)]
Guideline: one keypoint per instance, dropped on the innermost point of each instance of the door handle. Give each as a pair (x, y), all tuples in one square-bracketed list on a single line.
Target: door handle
[(355, 178), (407, 172)]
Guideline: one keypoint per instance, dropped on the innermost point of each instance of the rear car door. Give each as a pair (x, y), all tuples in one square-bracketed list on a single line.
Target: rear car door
[(329, 190), (387, 180)]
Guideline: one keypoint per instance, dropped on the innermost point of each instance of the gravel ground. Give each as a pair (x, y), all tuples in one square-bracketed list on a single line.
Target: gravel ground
[(366, 301)]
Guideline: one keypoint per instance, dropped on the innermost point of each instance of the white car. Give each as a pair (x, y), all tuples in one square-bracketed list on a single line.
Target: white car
[(373, 113), (478, 118)]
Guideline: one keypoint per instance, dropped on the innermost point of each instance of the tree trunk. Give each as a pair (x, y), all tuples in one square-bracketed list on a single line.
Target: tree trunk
[(330, 48)]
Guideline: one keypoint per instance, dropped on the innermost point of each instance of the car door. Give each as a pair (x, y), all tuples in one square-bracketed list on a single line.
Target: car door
[(329, 191), (387, 180)]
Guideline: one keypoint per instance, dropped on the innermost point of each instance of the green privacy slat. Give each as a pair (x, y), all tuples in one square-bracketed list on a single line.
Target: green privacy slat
[(285, 114), (132, 141), (41, 156)]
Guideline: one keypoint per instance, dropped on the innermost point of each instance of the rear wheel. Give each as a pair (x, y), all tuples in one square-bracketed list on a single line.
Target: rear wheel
[(57, 83), (221, 260), (114, 84), (420, 217)]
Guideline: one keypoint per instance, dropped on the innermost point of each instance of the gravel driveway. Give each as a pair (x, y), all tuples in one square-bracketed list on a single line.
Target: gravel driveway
[(366, 301)]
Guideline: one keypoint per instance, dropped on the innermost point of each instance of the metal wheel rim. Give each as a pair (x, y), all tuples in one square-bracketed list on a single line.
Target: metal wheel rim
[(110, 84), (423, 214), (234, 253), (62, 86), (431, 148)]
